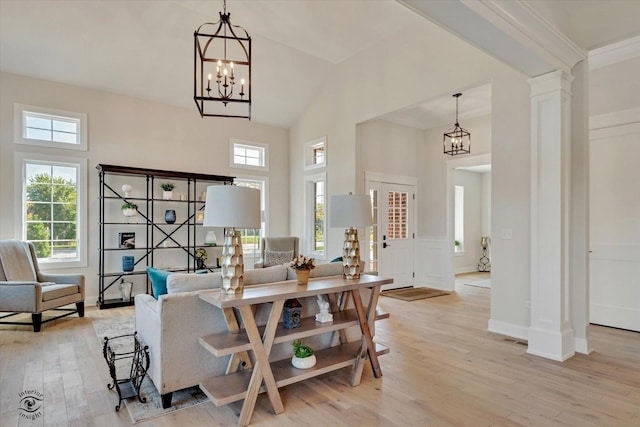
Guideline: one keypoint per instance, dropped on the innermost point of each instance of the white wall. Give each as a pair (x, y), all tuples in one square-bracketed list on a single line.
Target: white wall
[(132, 132), (420, 63), (485, 227)]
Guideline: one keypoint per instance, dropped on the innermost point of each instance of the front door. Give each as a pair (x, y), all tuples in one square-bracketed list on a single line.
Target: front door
[(395, 233)]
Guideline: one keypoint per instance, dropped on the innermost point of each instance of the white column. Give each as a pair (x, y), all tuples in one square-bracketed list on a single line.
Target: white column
[(550, 331)]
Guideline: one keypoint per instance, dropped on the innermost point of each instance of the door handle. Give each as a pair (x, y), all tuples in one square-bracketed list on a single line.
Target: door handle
[(385, 245)]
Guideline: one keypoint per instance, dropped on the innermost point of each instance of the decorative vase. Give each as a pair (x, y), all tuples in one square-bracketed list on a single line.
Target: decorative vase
[(126, 188), (210, 238), (304, 362), (303, 276), (167, 195), (129, 212), (170, 216), (125, 290), (128, 263), (199, 264)]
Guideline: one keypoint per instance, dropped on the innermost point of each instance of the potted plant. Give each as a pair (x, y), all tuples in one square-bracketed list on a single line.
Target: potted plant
[(303, 357), (167, 192), (303, 266), (201, 256), (129, 209)]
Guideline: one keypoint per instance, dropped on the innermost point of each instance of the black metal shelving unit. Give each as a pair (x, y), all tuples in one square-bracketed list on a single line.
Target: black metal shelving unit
[(155, 232)]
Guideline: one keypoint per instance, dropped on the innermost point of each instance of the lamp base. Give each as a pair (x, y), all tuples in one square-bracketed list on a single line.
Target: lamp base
[(232, 263), (351, 254)]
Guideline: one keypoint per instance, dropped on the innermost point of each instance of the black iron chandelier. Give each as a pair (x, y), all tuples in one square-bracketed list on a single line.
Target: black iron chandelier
[(458, 140), (222, 69)]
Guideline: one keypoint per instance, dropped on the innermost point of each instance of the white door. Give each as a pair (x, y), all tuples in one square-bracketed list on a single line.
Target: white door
[(615, 227), (395, 234)]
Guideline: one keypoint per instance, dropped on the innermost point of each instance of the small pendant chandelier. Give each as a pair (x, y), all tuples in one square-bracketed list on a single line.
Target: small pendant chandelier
[(221, 63), (458, 140)]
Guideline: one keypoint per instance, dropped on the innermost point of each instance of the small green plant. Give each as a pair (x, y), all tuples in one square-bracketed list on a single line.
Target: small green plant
[(457, 243), (167, 186), (128, 205), (300, 350)]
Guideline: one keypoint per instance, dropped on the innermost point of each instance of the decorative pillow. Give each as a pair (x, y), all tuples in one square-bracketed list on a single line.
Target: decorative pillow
[(257, 276), (158, 281), (187, 282), (272, 258)]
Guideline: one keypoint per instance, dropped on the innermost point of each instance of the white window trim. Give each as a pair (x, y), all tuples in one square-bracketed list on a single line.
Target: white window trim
[(308, 210), (18, 127), (81, 164), (265, 147), (308, 153)]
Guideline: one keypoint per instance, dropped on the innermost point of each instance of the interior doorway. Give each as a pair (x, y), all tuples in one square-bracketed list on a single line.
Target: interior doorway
[(469, 218)]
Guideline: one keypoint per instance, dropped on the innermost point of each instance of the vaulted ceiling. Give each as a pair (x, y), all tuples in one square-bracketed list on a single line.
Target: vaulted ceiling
[(144, 48)]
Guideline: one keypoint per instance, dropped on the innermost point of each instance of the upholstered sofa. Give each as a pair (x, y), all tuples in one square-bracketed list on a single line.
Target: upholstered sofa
[(172, 325)]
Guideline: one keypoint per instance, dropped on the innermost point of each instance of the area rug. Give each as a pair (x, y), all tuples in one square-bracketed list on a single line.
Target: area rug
[(138, 411), (413, 294), (481, 283)]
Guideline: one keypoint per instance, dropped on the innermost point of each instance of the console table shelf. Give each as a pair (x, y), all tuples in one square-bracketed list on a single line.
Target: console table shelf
[(226, 389)]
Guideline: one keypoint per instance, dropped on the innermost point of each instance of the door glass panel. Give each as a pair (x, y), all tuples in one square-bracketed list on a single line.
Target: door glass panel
[(397, 215)]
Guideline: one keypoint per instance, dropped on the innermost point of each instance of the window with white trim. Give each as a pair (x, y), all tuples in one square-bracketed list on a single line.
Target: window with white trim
[(315, 153), (47, 127), (251, 237), (250, 155), (315, 214), (52, 208)]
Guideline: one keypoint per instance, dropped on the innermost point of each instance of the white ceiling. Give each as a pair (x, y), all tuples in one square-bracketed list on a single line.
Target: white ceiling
[(144, 48)]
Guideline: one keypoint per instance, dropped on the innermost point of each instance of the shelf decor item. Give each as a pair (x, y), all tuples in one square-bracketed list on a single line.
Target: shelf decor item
[(303, 266), (125, 290), (232, 207), (126, 188), (324, 315), (201, 256), (292, 312), (170, 216), (167, 193), (128, 263), (129, 209), (210, 239), (303, 357), (350, 211)]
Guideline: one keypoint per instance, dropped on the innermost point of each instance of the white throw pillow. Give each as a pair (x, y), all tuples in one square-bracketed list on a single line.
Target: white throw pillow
[(277, 273)]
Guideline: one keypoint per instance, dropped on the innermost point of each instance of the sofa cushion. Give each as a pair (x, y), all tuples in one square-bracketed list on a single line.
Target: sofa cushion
[(272, 258), (52, 291), (185, 282), (158, 281), (277, 273), (321, 270)]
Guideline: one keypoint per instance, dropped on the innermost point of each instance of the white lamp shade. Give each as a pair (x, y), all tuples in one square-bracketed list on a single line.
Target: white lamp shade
[(350, 211), (232, 206)]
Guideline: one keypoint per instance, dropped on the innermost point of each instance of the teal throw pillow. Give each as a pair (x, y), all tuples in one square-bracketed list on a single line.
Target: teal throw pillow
[(158, 281)]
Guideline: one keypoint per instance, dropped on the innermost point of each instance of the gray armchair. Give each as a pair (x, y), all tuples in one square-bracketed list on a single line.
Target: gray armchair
[(277, 250), (25, 289)]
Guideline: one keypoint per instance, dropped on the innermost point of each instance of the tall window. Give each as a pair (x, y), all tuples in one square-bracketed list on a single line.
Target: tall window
[(459, 219), (50, 128), (250, 237), (315, 214), (248, 155), (52, 217)]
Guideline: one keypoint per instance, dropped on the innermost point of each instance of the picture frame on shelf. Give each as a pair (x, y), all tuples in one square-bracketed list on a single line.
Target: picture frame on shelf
[(127, 240)]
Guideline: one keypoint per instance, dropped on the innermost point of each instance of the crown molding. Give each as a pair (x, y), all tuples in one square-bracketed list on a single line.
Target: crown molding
[(614, 53), (520, 21)]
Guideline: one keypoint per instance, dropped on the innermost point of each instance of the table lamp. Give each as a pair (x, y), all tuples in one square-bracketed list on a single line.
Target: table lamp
[(350, 211), (232, 207)]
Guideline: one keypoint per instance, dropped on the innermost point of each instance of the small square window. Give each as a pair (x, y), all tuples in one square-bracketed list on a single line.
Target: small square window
[(248, 155), (315, 154)]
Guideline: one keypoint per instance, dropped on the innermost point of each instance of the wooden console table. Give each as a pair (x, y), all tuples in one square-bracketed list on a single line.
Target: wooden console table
[(247, 383)]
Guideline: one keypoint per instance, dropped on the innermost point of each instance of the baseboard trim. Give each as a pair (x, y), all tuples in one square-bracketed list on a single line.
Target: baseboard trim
[(509, 329)]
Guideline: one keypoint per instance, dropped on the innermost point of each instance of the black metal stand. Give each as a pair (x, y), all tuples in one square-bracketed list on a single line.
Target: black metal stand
[(115, 349)]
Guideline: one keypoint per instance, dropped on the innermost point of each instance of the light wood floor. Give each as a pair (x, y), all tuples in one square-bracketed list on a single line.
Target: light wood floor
[(444, 370)]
